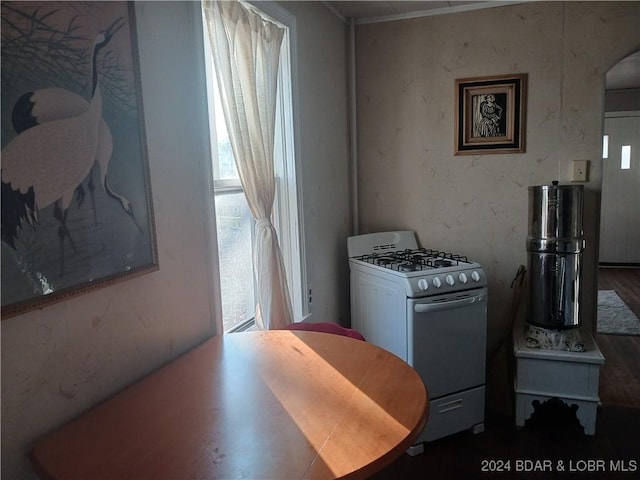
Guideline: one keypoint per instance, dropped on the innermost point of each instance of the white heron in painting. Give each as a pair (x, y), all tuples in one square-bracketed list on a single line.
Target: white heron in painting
[(54, 153), (53, 103)]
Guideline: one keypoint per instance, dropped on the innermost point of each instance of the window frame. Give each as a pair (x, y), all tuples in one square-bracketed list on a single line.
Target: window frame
[(287, 207)]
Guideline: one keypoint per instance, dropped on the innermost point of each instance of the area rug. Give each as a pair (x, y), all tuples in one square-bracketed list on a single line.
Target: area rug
[(614, 316)]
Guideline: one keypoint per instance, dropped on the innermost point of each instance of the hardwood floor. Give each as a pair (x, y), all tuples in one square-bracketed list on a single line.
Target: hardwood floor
[(620, 375), (553, 436), (625, 281)]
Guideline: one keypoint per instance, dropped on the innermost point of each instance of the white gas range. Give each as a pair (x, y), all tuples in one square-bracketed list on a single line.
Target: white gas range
[(429, 308)]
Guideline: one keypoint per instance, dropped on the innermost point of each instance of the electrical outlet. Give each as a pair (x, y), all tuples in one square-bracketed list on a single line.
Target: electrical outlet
[(580, 171)]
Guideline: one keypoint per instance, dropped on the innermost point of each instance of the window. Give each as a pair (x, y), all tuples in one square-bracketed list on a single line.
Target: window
[(605, 146), (234, 223), (625, 157)]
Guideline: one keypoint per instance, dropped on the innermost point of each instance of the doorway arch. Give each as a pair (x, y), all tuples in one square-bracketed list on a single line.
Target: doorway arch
[(615, 270), (620, 200)]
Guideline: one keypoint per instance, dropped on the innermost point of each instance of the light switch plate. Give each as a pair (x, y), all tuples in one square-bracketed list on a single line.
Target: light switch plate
[(580, 171)]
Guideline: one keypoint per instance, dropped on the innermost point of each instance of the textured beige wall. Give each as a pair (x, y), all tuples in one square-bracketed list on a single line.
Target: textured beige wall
[(409, 177), (60, 361)]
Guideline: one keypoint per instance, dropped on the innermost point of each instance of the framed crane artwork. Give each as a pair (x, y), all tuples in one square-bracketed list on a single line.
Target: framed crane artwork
[(76, 198)]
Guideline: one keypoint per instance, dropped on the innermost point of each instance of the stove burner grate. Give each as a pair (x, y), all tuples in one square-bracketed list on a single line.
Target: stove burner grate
[(411, 260)]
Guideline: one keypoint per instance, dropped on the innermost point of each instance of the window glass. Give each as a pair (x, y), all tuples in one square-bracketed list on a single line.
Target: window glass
[(625, 157), (234, 225)]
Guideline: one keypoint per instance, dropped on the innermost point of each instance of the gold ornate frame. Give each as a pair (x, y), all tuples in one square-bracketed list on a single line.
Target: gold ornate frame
[(50, 48)]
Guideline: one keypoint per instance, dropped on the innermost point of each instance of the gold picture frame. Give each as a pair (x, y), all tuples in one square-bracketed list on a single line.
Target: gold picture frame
[(490, 114)]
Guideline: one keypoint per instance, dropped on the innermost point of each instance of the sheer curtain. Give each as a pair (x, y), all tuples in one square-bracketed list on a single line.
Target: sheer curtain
[(246, 50)]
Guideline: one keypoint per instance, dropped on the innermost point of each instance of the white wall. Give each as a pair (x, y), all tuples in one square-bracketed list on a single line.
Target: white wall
[(409, 177), (324, 157), (622, 100), (60, 361), (620, 198)]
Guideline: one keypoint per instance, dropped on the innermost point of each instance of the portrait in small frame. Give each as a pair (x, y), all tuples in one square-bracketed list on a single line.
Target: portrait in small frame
[(490, 114)]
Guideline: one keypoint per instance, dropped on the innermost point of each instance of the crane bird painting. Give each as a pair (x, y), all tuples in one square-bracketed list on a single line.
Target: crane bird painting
[(71, 119)]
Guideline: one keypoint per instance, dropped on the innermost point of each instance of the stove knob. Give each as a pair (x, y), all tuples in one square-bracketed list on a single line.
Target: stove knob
[(476, 276), (436, 282), (449, 279), (423, 284), (463, 277)]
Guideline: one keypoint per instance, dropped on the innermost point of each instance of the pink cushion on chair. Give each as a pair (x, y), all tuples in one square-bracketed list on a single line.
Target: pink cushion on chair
[(325, 327)]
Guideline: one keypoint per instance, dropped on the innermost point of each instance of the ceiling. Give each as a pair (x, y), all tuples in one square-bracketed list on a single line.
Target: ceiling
[(366, 11), (625, 74)]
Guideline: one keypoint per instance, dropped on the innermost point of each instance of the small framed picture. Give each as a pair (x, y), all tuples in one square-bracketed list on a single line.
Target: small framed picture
[(490, 114)]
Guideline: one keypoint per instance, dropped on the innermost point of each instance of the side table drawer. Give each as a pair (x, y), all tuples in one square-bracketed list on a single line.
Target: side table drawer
[(562, 379)]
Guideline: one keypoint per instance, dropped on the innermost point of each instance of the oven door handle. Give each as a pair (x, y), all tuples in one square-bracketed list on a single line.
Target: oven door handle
[(436, 306)]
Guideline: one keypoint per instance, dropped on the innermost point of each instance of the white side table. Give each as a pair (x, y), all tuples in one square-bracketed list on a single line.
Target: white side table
[(571, 377)]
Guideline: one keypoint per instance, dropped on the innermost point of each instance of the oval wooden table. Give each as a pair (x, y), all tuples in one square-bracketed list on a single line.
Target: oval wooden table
[(257, 405)]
